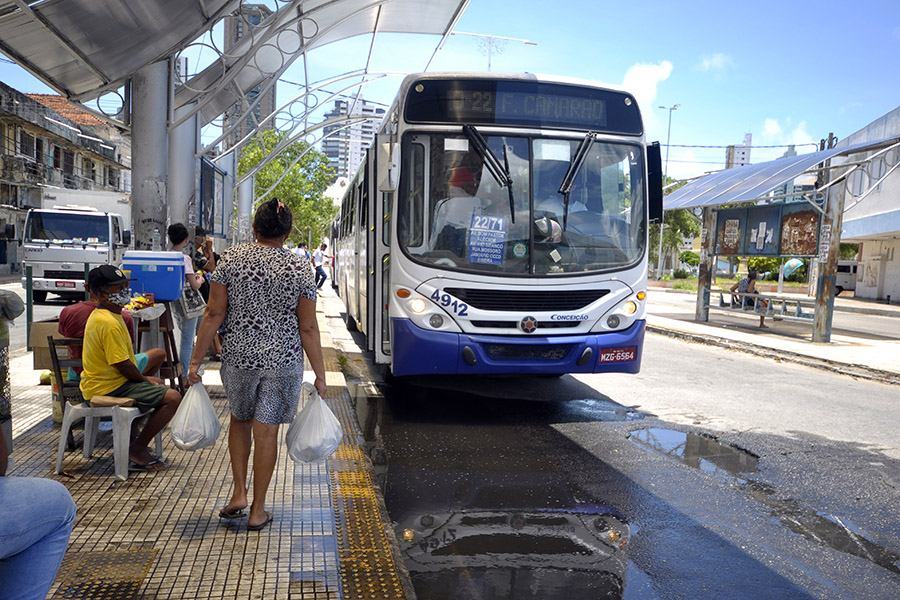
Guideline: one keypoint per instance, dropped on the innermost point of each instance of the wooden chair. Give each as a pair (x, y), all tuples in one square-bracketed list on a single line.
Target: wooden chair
[(76, 408)]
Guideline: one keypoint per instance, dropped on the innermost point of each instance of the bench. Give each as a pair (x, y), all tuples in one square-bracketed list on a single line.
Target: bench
[(798, 310)]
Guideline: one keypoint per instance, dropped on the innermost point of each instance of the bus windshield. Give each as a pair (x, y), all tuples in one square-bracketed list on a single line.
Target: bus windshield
[(67, 228), (455, 214)]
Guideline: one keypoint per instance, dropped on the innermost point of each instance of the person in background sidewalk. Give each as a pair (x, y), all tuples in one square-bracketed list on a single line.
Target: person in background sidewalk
[(267, 297), (178, 238), (204, 264), (747, 285), (72, 320), (38, 515), (318, 261), (110, 368)]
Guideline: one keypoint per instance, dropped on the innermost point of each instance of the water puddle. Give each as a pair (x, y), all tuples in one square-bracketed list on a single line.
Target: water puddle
[(698, 451), (601, 410), (835, 532), (725, 461)]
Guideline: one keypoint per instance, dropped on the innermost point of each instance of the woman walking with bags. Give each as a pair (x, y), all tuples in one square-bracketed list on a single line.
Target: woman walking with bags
[(266, 297)]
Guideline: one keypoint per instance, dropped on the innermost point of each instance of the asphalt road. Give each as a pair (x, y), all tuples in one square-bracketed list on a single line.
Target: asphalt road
[(17, 333), (711, 474)]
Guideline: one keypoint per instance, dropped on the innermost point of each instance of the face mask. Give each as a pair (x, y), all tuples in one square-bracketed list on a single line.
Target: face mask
[(121, 298)]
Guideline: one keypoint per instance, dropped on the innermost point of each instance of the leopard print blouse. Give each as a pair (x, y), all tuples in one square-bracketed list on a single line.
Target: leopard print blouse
[(264, 287)]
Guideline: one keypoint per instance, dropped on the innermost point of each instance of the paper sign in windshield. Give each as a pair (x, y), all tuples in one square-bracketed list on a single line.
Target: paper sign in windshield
[(487, 236)]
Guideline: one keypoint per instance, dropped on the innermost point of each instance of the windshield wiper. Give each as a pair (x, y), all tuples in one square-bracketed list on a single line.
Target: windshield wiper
[(497, 171), (565, 186)]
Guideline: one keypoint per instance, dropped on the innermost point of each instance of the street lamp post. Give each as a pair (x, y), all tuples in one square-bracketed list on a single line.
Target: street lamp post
[(662, 224)]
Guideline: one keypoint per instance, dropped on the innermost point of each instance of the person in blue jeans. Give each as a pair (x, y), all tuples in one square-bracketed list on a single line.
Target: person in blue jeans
[(38, 515), (178, 239), (318, 261)]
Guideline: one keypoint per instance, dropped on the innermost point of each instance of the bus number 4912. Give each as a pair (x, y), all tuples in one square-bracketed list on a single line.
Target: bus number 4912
[(459, 308)]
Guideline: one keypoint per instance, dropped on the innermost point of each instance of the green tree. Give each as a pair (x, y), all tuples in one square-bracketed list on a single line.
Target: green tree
[(689, 258), (849, 251), (679, 224), (303, 187)]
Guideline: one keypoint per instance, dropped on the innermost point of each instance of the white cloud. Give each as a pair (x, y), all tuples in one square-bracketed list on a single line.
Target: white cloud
[(778, 133), (771, 127), (642, 80), (717, 62)]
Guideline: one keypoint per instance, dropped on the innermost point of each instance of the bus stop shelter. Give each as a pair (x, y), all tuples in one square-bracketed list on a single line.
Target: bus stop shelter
[(760, 190)]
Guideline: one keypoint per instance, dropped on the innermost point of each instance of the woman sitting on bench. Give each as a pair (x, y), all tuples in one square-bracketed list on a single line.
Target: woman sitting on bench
[(747, 285)]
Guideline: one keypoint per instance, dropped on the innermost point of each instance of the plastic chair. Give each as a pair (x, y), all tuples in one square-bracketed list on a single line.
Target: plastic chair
[(122, 416)]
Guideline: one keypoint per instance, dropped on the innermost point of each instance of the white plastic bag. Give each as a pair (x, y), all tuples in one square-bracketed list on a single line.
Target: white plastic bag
[(315, 432), (195, 424)]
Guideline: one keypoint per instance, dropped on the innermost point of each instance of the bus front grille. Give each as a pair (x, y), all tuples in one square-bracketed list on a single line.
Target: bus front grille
[(526, 300), (554, 352), (515, 324)]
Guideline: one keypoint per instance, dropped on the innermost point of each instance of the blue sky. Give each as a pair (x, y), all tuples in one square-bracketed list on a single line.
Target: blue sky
[(788, 71)]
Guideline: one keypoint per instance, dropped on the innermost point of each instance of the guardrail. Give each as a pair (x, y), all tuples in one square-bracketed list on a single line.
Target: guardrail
[(777, 307)]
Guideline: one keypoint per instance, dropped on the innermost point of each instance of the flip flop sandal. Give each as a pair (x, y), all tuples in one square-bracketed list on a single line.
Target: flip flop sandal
[(262, 525), (137, 467), (237, 513)]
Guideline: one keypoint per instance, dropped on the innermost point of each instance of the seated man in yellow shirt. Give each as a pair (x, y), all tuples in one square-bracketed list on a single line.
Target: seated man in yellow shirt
[(110, 368)]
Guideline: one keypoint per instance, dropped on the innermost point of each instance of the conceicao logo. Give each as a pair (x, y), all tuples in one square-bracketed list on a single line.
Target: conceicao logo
[(555, 317)]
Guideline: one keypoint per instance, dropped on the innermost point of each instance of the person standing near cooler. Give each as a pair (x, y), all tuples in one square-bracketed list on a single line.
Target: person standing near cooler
[(318, 261), (178, 239), (266, 297)]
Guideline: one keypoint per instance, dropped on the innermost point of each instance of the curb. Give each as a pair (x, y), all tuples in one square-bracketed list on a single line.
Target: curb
[(860, 371), (363, 460), (878, 312)]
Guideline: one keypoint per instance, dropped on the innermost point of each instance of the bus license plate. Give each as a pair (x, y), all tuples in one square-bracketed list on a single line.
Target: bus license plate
[(608, 355), (65, 284)]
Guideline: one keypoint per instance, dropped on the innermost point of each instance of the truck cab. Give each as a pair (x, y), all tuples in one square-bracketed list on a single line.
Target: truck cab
[(59, 242)]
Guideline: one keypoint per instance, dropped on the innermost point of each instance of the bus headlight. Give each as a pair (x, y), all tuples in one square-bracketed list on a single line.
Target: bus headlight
[(436, 321), (417, 305), (629, 308), (612, 321)]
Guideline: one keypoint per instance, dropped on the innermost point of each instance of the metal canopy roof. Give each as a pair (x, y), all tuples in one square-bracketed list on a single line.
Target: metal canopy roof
[(84, 48), (753, 182), (296, 29)]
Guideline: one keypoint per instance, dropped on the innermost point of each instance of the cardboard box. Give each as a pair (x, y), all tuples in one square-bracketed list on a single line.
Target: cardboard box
[(38, 342)]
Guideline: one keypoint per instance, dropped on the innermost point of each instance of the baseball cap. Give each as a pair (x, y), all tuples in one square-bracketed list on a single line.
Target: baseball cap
[(104, 276)]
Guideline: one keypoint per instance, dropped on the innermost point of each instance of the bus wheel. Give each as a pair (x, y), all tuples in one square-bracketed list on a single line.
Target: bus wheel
[(838, 290), (351, 323), (39, 297)]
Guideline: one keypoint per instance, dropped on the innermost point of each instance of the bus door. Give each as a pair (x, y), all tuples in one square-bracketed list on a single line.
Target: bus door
[(351, 250), (361, 267), (382, 200)]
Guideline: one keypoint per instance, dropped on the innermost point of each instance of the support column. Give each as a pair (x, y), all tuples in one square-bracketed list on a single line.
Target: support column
[(245, 208), (150, 151), (230, 178), (707, 263), (829, 252), (183, 144)]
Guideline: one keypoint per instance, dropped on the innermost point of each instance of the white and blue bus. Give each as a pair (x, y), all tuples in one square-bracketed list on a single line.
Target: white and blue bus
[(499, 225)]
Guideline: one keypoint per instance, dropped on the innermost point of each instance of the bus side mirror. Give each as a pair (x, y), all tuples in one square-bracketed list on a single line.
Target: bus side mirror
[(126, 237), (654, 183), (389, 156)]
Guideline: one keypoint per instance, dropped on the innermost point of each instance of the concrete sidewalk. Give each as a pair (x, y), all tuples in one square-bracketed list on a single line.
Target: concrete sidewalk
[(854, 353), (157, 535)]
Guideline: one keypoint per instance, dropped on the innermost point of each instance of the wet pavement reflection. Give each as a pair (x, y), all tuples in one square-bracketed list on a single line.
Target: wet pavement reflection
[(724, 461), (491, 525)]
